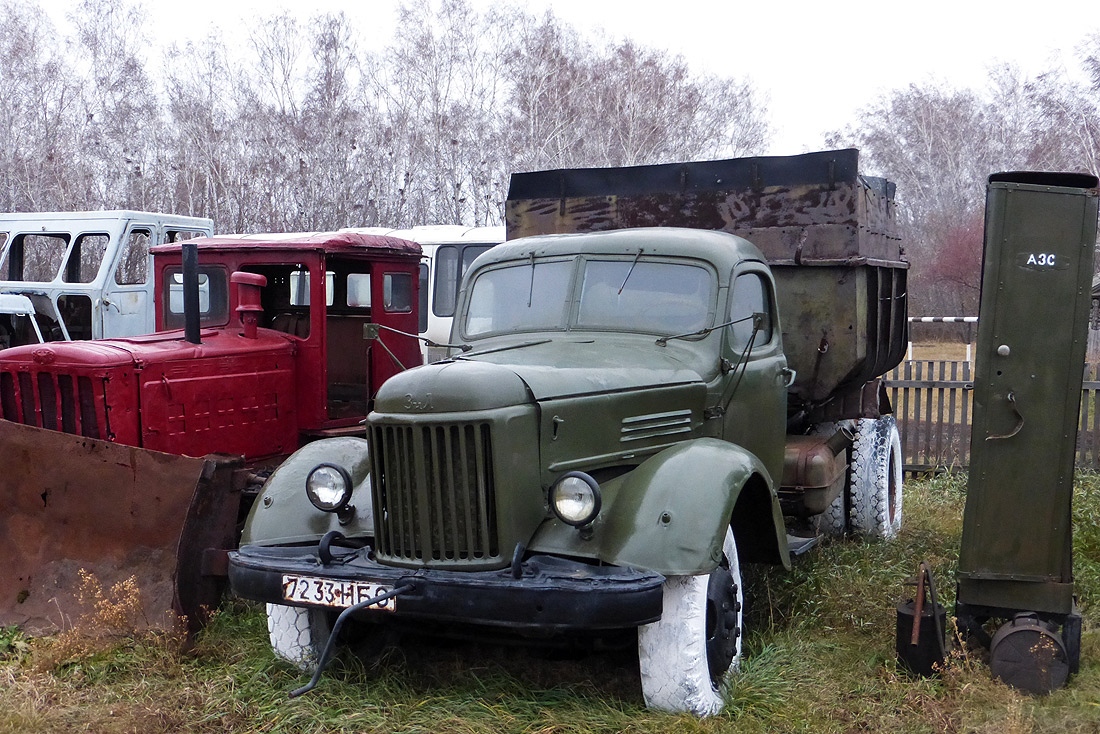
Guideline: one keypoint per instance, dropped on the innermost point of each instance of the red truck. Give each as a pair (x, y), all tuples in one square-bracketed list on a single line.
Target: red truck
[(136, 455)]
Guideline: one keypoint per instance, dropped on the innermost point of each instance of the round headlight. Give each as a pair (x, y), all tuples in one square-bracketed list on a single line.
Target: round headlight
[(575, 498), (328, 487)]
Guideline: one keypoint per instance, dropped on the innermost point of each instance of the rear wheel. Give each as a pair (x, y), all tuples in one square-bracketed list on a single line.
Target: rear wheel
[(686, 658), (298, 635), (876, 478)]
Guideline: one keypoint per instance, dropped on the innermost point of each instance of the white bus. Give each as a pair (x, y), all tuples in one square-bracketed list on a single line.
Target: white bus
[(448, 251)]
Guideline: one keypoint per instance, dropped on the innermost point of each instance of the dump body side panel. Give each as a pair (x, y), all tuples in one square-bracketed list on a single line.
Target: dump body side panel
[(803, 212)]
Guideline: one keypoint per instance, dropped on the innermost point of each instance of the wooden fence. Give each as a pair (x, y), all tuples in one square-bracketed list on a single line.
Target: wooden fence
[(932, 401)]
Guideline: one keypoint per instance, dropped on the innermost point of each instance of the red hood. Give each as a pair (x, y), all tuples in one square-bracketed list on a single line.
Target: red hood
[(165, 346)]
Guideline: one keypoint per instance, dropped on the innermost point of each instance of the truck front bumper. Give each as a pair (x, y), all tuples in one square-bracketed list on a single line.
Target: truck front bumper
[(552, 594)]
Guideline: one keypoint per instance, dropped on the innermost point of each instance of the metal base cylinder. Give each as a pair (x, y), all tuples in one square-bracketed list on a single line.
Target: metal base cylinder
[(1029, 655)]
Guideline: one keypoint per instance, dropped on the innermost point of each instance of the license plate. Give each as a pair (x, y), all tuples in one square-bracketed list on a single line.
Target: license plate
[(330, 593)]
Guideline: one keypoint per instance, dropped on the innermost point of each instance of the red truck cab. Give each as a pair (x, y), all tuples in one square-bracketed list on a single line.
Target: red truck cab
[(302, 370)]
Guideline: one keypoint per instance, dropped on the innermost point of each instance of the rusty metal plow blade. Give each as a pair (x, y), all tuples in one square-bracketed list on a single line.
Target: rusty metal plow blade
[(69, 503)]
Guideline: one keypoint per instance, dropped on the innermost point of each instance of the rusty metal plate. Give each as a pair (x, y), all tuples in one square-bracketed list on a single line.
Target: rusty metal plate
[(72, 503), (807, 209)]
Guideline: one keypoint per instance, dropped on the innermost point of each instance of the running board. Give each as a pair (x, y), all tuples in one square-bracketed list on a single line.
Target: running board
[(799, 545)]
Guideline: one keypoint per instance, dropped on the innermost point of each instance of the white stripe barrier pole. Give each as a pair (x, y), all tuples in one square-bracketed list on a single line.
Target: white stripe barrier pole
[(941, 320)]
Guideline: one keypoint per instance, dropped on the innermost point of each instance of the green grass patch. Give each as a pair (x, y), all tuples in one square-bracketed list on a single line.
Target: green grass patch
[(819, 658)]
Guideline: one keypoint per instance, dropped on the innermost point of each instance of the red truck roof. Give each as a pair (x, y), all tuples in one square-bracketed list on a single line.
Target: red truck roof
[(328, 242)]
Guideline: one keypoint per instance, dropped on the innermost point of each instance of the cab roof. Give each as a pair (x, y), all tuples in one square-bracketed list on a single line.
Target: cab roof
[(721, 249), (439, 234), (333, 243)]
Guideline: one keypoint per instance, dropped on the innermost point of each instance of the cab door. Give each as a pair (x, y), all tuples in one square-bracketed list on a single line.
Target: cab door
[(753, 402), (126, 307)]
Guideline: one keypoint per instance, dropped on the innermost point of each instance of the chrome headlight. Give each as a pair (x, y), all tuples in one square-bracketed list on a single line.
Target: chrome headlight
[(575, 498), (328, 487)]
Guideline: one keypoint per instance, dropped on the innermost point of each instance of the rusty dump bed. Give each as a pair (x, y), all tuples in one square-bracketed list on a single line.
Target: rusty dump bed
[(146, 507), (828, 233)]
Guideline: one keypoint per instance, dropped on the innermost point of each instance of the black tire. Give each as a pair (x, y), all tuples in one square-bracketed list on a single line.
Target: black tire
[(876, 479), (687, 657)]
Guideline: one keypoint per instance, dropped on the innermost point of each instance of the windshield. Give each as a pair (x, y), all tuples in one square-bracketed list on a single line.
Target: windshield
[(650, 296)]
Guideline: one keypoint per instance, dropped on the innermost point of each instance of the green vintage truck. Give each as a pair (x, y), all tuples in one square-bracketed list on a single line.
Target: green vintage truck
[(667, 372)]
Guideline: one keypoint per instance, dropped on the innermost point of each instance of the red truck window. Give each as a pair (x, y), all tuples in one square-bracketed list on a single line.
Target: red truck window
[(359, 290), (213, 296), (397, 292)]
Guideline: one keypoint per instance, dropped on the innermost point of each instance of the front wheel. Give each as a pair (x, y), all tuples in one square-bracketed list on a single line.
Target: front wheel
[(686, 658), (298, 635)]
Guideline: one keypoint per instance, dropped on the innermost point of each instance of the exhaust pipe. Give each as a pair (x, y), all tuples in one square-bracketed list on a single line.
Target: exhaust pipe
[(248, 287), (191, 293)]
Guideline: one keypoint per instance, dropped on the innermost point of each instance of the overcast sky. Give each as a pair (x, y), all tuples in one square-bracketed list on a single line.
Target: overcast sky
[(818, 62)]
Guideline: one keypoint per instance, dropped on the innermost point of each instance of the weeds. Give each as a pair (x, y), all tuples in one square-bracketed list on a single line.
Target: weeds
[(819, 657), (14, 645), (112, 618)]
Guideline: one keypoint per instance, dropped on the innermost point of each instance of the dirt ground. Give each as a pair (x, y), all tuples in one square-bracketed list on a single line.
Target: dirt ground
[(940, 350)]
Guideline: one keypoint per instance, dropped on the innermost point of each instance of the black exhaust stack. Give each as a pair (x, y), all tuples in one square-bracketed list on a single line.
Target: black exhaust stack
[(191, 293)]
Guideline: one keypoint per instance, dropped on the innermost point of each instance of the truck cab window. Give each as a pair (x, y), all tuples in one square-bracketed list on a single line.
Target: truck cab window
[(285, 298), (397, 292), (299, 287), (36, 257), (133, 262), (527, 297), (422, 312), (751, 294), (657, 297), (179, 235), (359, 290), (85, 258), (76, 311), (451, 263), (213, 297)]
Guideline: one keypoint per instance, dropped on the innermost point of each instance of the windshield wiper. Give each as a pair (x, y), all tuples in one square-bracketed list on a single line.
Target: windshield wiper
[(759, 322), (531, 287), (631, 270)]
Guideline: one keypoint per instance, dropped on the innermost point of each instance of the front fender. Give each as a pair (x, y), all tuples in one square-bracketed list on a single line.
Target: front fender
[(670, 514), (283, 514)]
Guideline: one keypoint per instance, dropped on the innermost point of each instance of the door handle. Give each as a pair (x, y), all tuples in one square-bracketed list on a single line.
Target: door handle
[(1011, 397)]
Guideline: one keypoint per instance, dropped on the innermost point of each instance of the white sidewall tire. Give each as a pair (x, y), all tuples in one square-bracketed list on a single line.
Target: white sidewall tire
[(672, 652), (298, 635), (876, 483)]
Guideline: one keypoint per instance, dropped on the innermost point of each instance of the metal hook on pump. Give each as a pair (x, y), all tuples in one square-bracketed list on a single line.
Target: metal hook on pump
[(1011, 397)]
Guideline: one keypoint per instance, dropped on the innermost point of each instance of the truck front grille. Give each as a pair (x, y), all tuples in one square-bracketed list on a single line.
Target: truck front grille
[(58, 402), (434, 494)]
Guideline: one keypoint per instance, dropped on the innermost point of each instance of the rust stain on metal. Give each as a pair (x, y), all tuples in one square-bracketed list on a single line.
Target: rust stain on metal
[(71, 503)]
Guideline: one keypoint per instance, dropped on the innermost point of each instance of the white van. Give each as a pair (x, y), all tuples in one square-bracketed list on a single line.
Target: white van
[(448, 251)]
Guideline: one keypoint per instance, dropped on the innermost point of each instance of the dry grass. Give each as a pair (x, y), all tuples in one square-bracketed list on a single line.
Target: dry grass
[(820, 658)]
